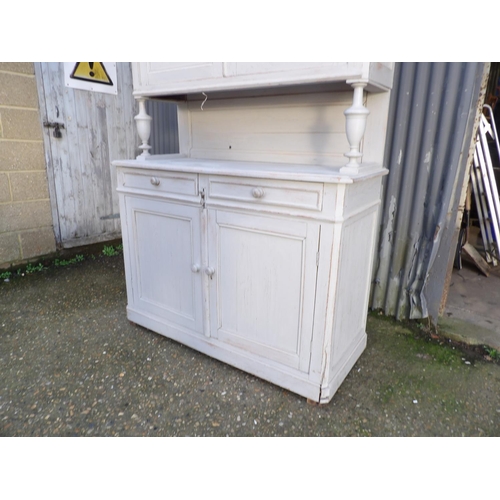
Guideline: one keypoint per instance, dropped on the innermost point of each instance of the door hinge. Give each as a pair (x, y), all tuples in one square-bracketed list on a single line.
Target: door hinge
[(203, 198)]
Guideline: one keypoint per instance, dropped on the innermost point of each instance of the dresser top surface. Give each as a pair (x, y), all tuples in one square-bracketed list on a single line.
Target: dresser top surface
[(283, 171)]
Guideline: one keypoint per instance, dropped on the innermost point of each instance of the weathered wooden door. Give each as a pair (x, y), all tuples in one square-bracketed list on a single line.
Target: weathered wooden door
[(95, 129)]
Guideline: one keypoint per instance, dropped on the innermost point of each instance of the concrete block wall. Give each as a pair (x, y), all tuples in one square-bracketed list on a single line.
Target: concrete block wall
[(26, 228)]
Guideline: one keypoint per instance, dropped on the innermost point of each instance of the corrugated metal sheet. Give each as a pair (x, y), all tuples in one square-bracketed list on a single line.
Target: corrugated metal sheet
[(164, 131), (431, 121)]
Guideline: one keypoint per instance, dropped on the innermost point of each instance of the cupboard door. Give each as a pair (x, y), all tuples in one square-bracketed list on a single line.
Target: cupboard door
[(164, 242), (181, 74), (262, 289), (289, 70)]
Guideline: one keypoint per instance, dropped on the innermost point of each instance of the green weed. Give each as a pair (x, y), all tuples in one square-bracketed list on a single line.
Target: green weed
[(492, 353), (30, 268), (74, 260), (109, 251)]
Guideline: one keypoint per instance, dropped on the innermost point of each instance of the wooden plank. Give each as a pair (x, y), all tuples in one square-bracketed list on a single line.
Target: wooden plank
[(121, 111), (476, 258), (58, 111)]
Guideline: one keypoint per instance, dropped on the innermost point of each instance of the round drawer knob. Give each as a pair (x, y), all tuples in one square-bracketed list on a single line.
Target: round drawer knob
[(155, 181), (195, 268), (209, 271), (257, 192)]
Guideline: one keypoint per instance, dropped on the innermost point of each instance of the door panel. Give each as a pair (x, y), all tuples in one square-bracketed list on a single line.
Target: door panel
[(158, 73), (264, 284), (165, 244)]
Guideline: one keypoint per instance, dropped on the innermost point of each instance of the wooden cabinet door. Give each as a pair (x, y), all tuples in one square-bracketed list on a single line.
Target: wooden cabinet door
[(285, 70), (262, 290), (164, 260)]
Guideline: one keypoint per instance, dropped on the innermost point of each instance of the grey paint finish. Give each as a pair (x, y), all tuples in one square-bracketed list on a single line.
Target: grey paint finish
[(432, 112)]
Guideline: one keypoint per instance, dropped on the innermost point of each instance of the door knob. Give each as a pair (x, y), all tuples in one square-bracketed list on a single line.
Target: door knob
[(209, 271), (195, 268), (257, 192)]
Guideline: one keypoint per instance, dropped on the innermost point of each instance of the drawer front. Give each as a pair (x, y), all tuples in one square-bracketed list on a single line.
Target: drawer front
[(160, 183), (259, 192)]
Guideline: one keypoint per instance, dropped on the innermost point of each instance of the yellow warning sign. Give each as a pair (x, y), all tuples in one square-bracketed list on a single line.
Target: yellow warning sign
[(91, 72)]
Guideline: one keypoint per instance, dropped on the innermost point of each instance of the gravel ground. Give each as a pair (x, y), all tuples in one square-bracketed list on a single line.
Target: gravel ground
[(73, 365)]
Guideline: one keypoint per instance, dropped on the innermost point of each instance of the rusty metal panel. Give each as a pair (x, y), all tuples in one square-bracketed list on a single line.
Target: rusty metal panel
[(431, 121)]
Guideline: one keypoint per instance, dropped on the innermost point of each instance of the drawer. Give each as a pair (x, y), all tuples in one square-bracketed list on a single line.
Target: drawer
[(158, 182), (292, 194)]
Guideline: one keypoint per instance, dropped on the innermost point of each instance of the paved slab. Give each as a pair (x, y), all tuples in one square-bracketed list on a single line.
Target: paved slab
[(472, 312)]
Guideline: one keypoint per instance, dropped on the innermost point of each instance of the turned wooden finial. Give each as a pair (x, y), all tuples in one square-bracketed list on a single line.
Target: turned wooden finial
[(355, 126), (143, 124)]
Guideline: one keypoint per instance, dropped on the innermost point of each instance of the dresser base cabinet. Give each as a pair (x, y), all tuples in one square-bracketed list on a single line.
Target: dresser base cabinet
[(264, 271)]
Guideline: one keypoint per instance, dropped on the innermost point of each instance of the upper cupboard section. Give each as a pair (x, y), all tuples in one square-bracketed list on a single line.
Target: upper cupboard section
[(176, 79)]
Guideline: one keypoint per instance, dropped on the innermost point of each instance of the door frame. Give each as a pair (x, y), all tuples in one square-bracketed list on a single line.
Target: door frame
[(48, 155)]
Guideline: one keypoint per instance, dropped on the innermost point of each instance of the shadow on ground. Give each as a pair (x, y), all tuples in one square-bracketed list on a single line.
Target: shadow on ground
[(73, 365)]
